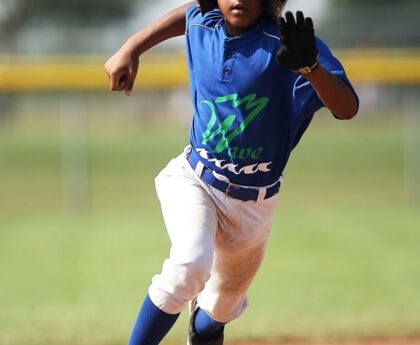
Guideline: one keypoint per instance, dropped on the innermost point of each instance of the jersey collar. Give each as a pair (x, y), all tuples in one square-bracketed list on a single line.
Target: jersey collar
[(248, 37)]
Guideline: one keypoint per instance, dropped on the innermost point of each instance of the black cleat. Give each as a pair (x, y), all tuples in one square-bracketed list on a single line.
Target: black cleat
[(194, 338)]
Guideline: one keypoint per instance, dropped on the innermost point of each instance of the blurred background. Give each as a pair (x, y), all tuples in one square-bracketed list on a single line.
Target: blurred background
[(81, 232)]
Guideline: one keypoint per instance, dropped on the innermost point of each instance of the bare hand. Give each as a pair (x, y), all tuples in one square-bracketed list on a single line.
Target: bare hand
[(122, 70)]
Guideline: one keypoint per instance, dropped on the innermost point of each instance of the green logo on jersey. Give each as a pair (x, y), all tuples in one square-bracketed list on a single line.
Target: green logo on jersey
[(255, 107)]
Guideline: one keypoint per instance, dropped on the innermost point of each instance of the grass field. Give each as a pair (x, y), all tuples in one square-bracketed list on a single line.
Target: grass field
[(343, 259)]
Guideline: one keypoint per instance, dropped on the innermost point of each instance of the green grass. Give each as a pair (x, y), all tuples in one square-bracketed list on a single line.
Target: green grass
[(343, 259)]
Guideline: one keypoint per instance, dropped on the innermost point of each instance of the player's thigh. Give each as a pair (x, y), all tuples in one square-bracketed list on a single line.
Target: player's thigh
[(233, 272), (225, 294), (239, 252), (189, 212)]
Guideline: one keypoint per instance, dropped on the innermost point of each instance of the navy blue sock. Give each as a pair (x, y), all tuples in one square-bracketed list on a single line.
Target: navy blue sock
[(152, 324), (205, 325)]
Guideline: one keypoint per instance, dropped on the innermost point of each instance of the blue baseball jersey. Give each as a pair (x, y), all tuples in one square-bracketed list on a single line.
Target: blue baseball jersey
[(249, 112)]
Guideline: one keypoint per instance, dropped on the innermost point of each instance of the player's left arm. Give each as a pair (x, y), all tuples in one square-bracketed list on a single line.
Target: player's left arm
[(298, 52), (334, 93)]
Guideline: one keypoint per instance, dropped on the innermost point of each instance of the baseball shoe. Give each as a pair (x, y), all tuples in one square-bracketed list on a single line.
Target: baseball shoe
[(193, 337)]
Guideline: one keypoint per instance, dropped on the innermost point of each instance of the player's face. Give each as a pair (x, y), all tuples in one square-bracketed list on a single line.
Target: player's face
[(241, 15)]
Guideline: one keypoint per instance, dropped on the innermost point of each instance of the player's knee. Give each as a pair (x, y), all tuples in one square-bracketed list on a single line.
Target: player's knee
[(198, 270), (179, 282), (188, 275), (193, 263)]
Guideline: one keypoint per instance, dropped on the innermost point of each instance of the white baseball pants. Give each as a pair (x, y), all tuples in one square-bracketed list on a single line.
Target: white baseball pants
[(217, 244)]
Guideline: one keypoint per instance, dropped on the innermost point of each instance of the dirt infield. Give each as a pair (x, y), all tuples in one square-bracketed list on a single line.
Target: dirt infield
[(384, 341), (376, 341)]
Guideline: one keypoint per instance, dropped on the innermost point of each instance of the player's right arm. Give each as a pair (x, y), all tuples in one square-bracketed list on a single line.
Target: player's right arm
[(122, 67)]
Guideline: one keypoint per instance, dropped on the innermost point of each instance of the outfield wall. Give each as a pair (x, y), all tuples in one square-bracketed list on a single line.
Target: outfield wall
[(167, 71)]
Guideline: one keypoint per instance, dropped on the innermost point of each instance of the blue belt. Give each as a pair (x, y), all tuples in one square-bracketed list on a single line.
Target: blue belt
[(231, 190)]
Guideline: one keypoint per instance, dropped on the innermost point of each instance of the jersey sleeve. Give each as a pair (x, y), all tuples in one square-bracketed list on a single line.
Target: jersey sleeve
[(191, 15), (194, 17), (328, 61)]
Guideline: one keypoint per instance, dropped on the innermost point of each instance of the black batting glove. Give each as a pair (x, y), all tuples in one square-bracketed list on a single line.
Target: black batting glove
[(298, 48)]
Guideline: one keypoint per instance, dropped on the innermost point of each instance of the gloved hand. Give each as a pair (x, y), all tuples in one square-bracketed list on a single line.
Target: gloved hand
[(298, 50)]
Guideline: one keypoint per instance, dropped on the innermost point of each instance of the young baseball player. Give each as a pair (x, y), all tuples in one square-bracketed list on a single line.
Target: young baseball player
[(256, 80)]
